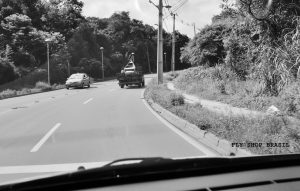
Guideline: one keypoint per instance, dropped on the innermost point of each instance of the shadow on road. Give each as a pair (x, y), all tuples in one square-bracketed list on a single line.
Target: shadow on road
[(134, 87), (85, 88)]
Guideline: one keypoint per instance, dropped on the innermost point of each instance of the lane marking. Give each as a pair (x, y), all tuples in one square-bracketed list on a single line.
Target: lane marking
[(183, 135), (87, 101), (44, 139)]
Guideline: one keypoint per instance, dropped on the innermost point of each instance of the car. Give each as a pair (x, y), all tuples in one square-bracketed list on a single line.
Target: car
[(78, 80)]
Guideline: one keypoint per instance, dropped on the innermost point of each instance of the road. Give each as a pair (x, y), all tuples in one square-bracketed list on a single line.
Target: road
[(60, 130)]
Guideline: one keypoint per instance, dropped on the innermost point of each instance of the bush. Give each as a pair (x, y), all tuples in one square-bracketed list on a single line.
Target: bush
[(171, 76), (27, 81), (8, 93), (176, 99), (58, 86), (290, 96), (43, 86), (24, 91), (220, 85)]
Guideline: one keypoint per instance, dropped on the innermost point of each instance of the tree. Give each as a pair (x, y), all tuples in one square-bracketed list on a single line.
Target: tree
[(25, 24), (62, 16), (8, 71), (207, 47), (276, 18)]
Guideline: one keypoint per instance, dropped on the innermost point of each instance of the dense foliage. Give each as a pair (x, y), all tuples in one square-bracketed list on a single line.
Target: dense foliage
[(256, 39), (75, 41)]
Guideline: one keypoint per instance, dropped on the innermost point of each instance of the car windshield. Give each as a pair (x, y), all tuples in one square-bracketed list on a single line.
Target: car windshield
[(129, 65), (76, 76), (201, 78)]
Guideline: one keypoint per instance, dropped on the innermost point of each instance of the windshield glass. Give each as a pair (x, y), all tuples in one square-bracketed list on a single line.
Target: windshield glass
[(203, 78), (76, 76)]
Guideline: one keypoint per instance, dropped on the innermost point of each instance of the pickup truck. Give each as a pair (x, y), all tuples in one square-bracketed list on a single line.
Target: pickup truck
[(131, 75)]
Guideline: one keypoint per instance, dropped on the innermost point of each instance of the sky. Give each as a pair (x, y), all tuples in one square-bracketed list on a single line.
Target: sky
[(199, 12)]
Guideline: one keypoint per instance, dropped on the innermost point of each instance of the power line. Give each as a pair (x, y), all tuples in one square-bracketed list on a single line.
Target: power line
[(177, 3), (176, 7), (180, 6)]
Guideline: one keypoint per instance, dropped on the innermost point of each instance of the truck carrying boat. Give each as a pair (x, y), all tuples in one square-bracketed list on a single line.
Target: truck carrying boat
[(131, 75)]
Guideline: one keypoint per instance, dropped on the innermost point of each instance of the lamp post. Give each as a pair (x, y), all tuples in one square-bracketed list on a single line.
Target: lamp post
[(165, 64), (101, 48), (48, 60)]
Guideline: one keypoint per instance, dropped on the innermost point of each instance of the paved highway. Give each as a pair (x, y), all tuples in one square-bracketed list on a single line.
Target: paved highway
[(60, 130)]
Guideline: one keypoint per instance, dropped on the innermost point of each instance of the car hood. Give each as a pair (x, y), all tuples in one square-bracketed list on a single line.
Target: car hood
[(124, 169)]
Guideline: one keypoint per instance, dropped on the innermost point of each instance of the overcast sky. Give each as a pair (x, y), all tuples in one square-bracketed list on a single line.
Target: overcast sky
[(199, 12)]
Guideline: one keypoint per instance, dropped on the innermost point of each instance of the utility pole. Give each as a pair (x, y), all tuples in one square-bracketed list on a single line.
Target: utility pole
[(160, 44), (160, 41), (194, 24), (173, 44)]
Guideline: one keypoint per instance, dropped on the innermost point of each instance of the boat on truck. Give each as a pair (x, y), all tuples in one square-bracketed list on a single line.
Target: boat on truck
[(131, 75)]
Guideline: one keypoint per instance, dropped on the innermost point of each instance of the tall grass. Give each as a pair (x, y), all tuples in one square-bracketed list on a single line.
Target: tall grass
[(235, 129), (39, 87), (43, 86), (27, 81), (222, 85)]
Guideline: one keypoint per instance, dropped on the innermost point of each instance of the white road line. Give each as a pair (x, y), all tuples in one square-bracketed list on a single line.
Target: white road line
[(87, 101), (44, 139), (183, 135)]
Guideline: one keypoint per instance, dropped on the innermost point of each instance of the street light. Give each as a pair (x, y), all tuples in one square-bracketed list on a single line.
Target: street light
[(165, 64), (101, 48), (48, 40)]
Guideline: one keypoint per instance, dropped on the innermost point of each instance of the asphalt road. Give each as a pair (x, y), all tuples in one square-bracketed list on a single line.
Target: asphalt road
[(60, 130)]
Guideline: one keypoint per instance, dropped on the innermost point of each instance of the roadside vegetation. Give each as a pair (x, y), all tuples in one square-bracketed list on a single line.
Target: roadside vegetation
[(39, 87), (235, 129), (247, 57), (221, 84), (74, 41)]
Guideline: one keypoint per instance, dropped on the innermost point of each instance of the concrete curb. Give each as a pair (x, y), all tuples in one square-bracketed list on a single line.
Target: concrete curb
[(208, 139)]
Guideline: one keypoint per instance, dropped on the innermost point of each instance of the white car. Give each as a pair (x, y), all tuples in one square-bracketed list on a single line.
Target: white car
[(78, 80)]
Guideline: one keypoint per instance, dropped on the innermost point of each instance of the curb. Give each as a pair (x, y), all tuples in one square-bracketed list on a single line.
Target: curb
[(208, 139), (31, 93)]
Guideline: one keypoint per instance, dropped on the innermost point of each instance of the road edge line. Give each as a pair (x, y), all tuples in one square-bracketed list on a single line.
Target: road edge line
[(207, 139), (182, 134)]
